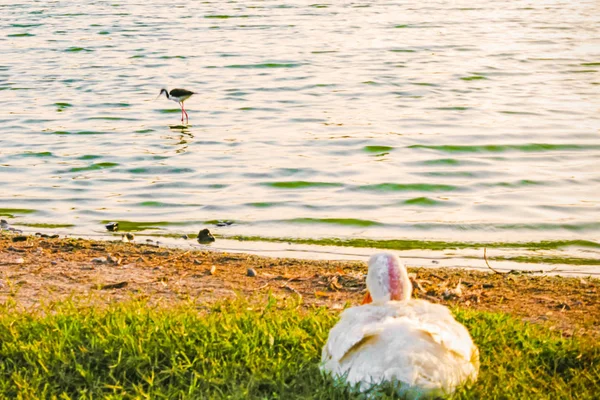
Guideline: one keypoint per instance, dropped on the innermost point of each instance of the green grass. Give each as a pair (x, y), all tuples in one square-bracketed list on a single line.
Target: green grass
[(240, 350)]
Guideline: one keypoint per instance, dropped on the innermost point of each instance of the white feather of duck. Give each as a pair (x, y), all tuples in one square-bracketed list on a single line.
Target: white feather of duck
[(413, 343)]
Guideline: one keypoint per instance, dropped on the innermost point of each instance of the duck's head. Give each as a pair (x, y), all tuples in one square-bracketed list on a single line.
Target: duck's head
[(387, 279)]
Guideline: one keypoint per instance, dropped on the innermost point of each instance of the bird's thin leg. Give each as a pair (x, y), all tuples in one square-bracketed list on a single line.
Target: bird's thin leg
[(187, 118), (181, 105)]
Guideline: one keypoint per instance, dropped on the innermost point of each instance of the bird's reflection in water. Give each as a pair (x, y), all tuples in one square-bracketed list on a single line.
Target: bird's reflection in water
[(183, 137)]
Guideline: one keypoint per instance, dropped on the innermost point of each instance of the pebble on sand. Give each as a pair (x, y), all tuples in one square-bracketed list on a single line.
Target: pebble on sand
[(112, 226), (251, 272)]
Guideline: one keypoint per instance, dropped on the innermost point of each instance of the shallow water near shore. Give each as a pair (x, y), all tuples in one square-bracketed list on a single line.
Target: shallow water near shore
[(425, 121)]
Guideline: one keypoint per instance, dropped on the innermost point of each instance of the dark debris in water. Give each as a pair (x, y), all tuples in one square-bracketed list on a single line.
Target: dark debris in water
[(204, 236)]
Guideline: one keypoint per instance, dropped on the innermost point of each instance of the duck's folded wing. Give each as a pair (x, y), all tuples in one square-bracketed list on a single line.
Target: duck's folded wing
[(355, 326), (438, 322)]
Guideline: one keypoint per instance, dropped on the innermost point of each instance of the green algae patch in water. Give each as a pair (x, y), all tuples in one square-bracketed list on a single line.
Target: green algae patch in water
[(77, 49), (550, 260), (423, 201), (335, 221), (25, 25), (452, 174), (406, 244), (170, 111), (21, 35), (521, 183), (46, 226), (60, 107), (264, 65), (94, 167), (473, 78), (500, 148), (89, 133), (456, 108), (11, 212), (405, 187), (377, 149), (89, 157), (226, 16), (135, 226), (263, 204), (302, 185), (160, 204), (442, 161), (38, 155)]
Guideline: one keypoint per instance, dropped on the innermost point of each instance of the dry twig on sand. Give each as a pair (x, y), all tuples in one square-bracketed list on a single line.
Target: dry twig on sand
[(488, 264)]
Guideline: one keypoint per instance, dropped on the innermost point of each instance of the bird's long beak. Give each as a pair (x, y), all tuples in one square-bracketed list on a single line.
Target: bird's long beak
[(367, 298), (157, 96)]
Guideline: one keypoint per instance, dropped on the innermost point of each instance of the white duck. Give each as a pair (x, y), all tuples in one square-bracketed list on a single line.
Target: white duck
[(395, 339)]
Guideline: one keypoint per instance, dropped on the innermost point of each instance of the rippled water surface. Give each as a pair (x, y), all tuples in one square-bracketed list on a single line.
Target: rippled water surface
[(451, 120)]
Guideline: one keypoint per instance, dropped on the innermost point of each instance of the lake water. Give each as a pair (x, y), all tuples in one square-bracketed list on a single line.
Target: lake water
[(448, 120)]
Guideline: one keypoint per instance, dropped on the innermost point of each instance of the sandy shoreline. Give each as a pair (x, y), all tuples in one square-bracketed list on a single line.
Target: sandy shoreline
[(39, 270)]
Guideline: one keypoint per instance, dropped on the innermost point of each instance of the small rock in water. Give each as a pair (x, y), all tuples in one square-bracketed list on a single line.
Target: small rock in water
[(251, 272), (184, 237), (204, 236), (19, 239), (4, 224), (112, 226), (224, 223), (213, 270), (149, 241), (99, 260)]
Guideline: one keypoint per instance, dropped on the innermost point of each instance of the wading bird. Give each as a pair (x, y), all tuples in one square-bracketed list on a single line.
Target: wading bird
[(178, 96), (413, 344)]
